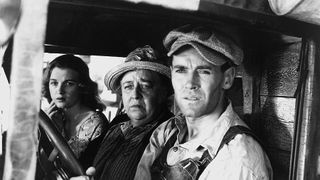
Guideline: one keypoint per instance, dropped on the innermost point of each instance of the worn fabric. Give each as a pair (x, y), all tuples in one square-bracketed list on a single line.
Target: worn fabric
[(205, 41), (85, 143), (144, 58), (187, 169), (122, 148), (241, 159), (190, 169), (89, 129)]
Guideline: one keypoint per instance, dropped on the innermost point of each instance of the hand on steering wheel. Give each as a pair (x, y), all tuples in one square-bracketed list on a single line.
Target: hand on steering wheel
[(71, 165), (89, 175)]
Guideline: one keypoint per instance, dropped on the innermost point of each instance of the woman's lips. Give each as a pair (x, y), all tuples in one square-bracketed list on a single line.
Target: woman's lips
[(135, 106), (60, 99)]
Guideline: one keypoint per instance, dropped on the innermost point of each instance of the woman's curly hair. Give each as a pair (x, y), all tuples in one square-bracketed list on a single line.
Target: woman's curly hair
[(88, 88)]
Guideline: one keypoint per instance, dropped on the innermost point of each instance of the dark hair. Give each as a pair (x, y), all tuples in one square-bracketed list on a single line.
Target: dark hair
[(89, 88)]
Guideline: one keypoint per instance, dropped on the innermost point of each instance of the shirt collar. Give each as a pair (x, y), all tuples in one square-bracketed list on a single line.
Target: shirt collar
[(227, 119), (163, 116), (127, 126)]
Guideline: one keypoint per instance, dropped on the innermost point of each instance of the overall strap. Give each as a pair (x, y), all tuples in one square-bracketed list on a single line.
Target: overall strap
[(170, 143), (160, 163), (230, 134), (203, 162), (161, 170), (235, 130)]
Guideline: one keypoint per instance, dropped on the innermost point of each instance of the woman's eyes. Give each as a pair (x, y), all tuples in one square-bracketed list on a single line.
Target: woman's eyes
[(69, 83), (146, 86), (179, 70), (129, 86), (142, 86), (64, 84), (53, 83)]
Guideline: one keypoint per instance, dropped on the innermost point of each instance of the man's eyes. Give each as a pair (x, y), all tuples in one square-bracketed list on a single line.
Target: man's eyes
[(204, 71), (179, 70), (199, 71)]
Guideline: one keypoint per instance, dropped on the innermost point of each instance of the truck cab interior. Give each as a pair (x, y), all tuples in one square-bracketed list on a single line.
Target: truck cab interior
[(275, 90)]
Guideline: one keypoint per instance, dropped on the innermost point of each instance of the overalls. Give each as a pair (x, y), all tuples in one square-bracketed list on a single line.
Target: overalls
[(190, 169)]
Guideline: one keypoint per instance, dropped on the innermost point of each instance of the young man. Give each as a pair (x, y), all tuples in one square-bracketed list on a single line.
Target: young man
[(208, 140)]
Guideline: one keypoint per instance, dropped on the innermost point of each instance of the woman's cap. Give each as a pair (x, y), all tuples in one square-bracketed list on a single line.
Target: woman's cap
[(144, 58)]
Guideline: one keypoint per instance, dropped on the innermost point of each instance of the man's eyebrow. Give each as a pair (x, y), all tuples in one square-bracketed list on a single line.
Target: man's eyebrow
[(179, 66), (198, 67), (204, 67)]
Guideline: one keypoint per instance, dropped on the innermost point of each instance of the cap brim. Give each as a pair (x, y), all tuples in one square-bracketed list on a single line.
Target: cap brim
[(111, 79), (205, 52)]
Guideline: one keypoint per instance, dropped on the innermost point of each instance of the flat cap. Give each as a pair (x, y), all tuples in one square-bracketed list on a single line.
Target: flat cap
[(204, 40)]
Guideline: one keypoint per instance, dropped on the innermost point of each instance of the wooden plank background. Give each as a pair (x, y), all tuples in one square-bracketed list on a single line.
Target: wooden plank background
[(273, 74), (277, 104)]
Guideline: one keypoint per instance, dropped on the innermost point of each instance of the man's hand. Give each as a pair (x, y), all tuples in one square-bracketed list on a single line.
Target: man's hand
[(89, 175)]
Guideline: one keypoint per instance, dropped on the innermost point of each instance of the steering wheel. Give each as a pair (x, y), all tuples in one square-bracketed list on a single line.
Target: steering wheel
[(71, 166)]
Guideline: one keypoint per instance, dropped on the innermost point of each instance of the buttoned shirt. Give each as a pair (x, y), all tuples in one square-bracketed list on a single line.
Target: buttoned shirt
[(241, 159)]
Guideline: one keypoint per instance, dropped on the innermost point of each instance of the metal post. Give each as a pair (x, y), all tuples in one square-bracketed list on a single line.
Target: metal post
[(305, 149)]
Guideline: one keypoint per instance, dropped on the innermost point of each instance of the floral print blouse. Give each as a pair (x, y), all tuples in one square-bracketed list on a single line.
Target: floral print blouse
[(90, 128)]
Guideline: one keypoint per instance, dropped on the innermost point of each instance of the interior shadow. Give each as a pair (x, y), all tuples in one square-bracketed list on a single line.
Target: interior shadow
[(274, 71)]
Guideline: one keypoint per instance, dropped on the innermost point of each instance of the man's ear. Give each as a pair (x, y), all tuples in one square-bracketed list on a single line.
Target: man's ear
[(229, 75)]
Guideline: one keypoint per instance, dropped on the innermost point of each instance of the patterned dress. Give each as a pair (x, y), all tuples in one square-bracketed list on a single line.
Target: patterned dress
[(89, 130), (85, 143)]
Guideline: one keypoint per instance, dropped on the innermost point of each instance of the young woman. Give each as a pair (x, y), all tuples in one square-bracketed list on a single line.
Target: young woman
[(75, 107)]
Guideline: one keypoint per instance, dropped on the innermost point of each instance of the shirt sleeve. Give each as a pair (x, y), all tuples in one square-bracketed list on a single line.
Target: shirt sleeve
[(91, 128), (157, 141), (88, 131), (241, 159)]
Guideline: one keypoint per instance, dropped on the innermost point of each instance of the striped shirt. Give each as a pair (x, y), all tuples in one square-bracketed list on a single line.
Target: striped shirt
[(122, 148)]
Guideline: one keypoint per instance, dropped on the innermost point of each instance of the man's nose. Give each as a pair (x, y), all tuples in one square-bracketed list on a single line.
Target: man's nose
[(192, 81)]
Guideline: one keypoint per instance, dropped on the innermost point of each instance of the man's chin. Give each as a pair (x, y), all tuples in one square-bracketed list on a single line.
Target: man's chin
[(193, 113)]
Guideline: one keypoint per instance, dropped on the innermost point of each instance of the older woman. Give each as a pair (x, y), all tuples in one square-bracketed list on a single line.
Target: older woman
[(143, 82), (74, 107)]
